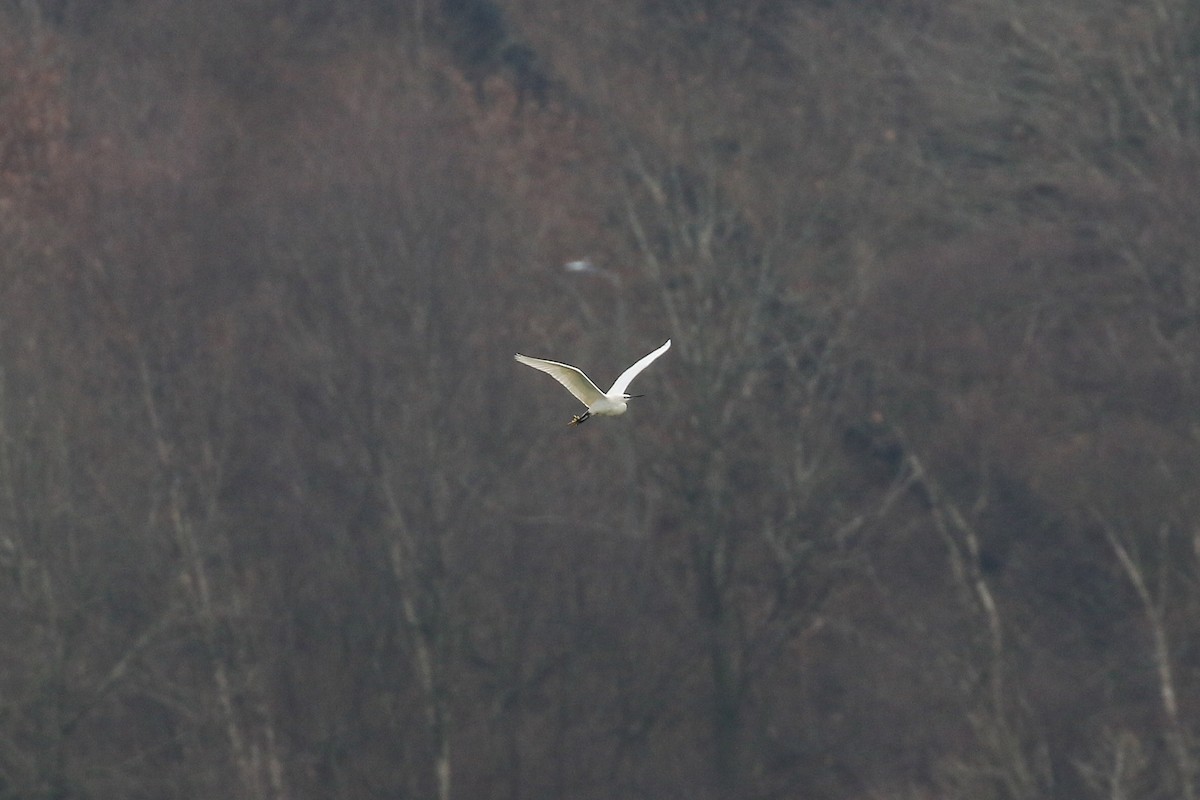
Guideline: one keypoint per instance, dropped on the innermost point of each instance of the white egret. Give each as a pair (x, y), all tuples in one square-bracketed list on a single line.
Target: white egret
[(606, 404)]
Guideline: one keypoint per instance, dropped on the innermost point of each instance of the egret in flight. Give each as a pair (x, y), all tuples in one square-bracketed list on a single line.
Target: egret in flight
[(607, 404)]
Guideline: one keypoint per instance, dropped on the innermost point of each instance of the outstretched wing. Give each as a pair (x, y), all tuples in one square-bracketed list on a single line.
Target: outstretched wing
[(622, 383), (571, 377)]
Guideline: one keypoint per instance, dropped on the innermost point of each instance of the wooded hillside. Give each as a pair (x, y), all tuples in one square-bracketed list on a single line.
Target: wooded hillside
[(911, 510)]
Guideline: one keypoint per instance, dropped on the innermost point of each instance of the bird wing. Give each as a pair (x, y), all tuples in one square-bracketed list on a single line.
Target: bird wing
[(571, 377), (622, 383)]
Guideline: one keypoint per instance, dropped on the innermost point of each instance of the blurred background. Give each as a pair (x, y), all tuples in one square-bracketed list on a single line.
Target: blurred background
[(910, 510)]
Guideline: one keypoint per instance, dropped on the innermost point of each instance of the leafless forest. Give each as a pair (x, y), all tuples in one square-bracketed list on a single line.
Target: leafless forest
[(911, 511)]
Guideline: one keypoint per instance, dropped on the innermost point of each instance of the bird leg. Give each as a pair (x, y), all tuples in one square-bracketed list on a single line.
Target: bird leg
[(579, 419)]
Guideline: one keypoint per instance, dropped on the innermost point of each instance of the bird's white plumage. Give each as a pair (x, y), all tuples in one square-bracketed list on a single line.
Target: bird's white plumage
[(608, 403), (571, 377), (622, 383)]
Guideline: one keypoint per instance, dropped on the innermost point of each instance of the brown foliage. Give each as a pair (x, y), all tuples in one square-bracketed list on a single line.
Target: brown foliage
[(907, 511)]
